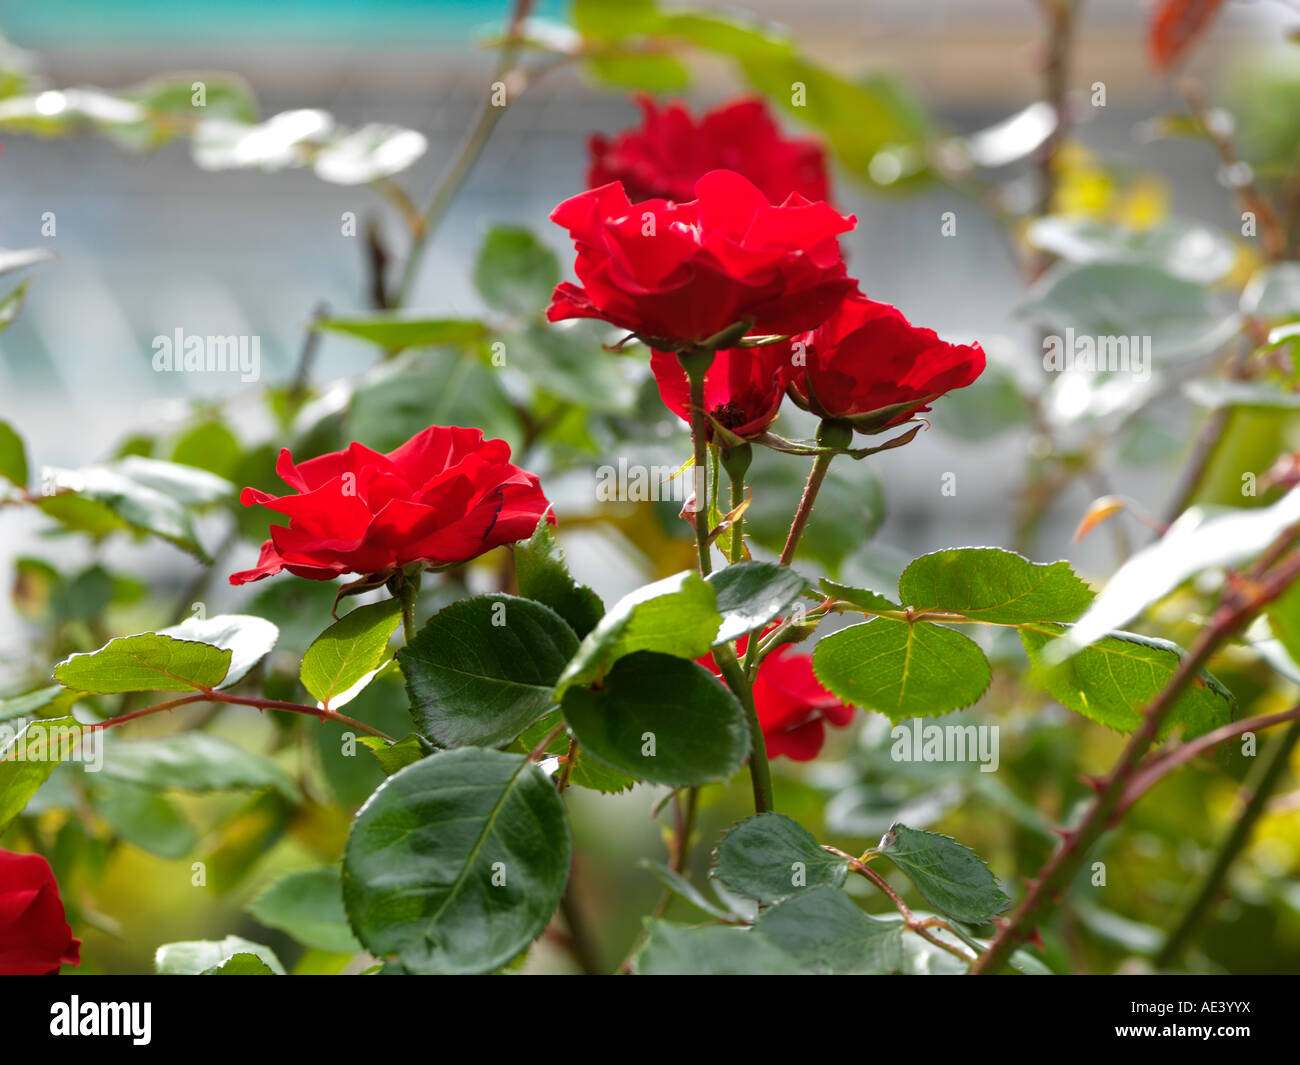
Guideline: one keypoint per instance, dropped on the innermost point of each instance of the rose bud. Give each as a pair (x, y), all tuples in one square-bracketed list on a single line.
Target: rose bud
[(867, 365)]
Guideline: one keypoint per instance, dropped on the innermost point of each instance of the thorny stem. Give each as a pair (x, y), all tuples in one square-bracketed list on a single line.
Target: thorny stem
[(209, 696), (1055, 876), (921, 926), (1260, 787)]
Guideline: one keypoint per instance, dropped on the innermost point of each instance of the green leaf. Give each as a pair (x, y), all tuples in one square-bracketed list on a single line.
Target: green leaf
[(481, 671), (750, 594), (515, 272), (149, 662), (394, 333), (661, 719), (128, 502), (348, 650), (828, 933), (681, 887), (35, 703), (565, 360), (677, 616), (1131, 300), (543, 575), (394, 756), (991, 585), (992, 405), (1114, 679), (1191, 252), (11, 304), (769, 857), (194, 761), (12, 259), (143, 817), (375, 150), (863, 598), (1201, 538), (1216, 393), (247, 637), (28, 758), (308, 906), (187, 485), (902, 669), (676, 950), (647, 72), (13, 456), (204, 955), (240, 965), (457, 863), (1273, 293), (604, 20), (209, 446), (950, 877), (1283, 618)]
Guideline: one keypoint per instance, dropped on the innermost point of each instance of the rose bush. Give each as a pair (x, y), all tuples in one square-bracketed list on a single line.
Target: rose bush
[(447, 698)]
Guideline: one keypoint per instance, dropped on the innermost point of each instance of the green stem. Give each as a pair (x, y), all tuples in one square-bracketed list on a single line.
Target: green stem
[(406, 589), (696, 363), (760, 772), (736, 462), (1261, 785)]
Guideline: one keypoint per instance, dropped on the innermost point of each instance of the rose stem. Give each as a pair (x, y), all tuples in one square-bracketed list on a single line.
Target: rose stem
[(696, 362)]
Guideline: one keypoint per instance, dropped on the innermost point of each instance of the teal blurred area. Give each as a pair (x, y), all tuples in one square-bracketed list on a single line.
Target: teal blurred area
[(136, 23)]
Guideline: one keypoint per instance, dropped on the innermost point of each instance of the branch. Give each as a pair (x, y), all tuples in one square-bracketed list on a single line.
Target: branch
[(1055, 876), (921, 926), (209, 696), (468, 153)]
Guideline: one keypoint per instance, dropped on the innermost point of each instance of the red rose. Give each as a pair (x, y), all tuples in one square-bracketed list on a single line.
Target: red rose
[(671, 150), (793, 707), (742, 387), (681, 272), (868, 365), (35, 938), (444, 497)]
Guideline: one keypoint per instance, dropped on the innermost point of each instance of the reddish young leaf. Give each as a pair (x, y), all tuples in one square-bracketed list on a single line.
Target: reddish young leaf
[(1175, 25)]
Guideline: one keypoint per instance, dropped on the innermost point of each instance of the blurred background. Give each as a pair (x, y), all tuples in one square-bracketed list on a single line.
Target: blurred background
[(149, 242)]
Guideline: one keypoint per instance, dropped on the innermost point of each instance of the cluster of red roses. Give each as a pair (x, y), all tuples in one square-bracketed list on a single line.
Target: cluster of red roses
[(757, 248), (756, 244)]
